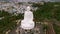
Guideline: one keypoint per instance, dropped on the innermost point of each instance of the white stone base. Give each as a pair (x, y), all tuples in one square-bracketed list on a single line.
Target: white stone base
[(27, 24)]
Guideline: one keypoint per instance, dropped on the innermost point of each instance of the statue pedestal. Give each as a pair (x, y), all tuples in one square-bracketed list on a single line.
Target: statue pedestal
[(27, 24)]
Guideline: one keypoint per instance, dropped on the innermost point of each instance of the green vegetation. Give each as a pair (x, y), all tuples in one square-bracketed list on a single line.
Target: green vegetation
[(47, 11), (9, 21), (45, 27), (4, 13), (6, 24), (56, 28)]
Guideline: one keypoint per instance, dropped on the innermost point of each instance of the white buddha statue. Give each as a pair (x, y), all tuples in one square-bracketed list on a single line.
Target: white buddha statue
[(27, 22)]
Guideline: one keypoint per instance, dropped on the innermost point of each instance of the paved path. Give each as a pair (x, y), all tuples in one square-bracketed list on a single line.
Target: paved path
[(50, 29)]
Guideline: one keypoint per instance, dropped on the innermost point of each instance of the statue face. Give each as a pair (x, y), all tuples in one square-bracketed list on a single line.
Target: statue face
[(28, 8)]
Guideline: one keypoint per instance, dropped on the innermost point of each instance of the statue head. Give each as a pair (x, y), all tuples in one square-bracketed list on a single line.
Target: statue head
[(28, 8)]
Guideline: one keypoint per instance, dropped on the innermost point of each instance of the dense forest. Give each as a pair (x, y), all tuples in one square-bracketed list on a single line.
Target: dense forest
[(9, 21), (48, 11)]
